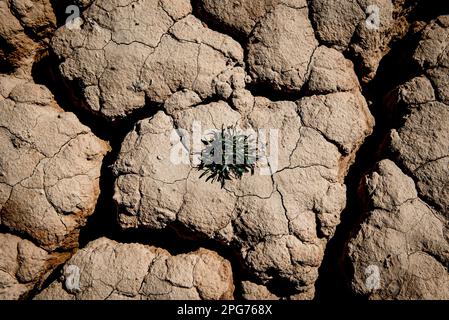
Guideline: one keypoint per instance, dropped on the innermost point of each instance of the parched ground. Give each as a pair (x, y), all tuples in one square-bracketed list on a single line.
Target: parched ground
[(350, 198)]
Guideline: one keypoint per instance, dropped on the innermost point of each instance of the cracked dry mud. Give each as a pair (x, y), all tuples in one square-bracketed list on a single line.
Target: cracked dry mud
[(111, 270), (92, 114)]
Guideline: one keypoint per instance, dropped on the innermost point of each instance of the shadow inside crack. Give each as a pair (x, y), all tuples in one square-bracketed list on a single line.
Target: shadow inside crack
[(395, 68)]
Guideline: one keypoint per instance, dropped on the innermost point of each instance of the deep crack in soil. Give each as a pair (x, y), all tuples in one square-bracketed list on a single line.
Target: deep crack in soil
[(395, 68)]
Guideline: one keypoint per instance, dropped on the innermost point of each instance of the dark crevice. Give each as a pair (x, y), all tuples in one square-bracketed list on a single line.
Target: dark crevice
[(428, 10), (212, 23), (183, 240), (417, 14), (5, 55), (282, 288), (267, 91), (54, 275), (5, 230), (394, 69), (332, 280), (59, 8), (169, 240)]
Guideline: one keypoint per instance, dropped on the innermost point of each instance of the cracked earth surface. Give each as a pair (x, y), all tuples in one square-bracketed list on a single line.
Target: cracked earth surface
[(94, 137)]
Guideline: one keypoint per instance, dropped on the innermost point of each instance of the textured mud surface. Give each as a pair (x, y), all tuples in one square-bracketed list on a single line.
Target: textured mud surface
[(102, 116)]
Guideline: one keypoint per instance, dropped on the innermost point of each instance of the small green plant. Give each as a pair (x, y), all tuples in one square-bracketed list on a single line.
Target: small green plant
[(227, 154)]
